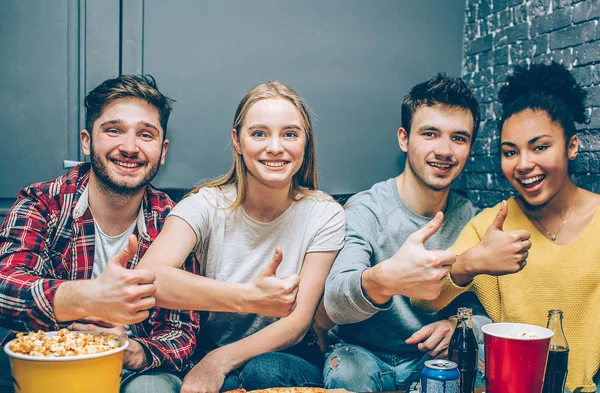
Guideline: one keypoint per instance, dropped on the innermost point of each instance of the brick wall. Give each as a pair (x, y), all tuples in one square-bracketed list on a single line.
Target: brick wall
[(502, 33)]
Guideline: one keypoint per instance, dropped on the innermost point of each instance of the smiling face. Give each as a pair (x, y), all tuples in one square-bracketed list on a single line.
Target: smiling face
[(535, 159), (271, 141), (438, 145), (126, 145)]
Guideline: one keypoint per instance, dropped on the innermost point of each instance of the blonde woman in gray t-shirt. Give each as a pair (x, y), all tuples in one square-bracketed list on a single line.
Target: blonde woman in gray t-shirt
[(264, 219)]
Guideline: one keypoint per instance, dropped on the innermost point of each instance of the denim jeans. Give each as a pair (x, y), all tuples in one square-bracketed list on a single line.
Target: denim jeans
[(149, 382), (274, 369), (357, 369)]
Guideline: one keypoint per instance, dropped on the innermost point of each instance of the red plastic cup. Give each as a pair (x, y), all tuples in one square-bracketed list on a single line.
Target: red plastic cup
[(515, 357)]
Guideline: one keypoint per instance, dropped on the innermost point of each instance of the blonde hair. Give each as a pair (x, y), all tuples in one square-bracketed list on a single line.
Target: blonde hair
[(305, 180)]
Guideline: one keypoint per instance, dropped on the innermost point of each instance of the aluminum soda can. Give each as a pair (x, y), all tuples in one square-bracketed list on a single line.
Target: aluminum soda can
[(439, 376)]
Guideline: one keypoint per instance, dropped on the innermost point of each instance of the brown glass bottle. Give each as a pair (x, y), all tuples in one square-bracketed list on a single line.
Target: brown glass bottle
[(558, 357), (463, 350)]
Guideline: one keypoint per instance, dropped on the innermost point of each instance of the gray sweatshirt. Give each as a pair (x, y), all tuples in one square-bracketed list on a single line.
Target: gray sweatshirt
[(377, 224)]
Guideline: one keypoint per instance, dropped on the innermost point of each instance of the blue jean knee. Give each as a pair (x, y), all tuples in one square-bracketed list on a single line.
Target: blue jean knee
[(356, 369), (279, 369), (232, 381), (150, 382)]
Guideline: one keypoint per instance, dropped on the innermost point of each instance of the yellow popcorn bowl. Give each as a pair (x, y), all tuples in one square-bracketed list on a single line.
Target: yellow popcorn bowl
[(99, 372)]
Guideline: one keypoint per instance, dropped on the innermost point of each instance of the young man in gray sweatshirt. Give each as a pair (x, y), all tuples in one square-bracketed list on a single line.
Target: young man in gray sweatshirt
[(395, 235)]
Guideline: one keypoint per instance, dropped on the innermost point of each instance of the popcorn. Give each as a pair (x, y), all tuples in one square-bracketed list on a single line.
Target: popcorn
[(64, 343)]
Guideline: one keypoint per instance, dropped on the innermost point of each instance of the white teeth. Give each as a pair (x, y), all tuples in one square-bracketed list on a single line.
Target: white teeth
[(125, 164), (274, 163), (531, 179), (442, 166)]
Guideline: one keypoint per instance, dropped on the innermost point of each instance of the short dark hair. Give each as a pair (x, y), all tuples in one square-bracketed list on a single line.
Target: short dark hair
[(545, 87), (127, 86), (443, 90)]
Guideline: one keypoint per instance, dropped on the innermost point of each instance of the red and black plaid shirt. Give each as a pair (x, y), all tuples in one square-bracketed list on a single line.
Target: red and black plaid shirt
[(47, 238)]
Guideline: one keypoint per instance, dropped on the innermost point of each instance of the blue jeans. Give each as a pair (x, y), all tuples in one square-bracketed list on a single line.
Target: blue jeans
[(149, 382), (274, 369), (357, 369)]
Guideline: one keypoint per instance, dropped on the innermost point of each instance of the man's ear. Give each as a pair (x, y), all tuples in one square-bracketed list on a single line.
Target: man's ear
[(163, 153), (86, 141), (403, 139), (236, 142)]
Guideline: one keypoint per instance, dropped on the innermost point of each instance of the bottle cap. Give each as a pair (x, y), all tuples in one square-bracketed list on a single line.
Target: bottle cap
[(464, 312), (554, 312)]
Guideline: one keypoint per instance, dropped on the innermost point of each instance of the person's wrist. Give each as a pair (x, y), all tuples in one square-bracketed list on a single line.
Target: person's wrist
[(223, 359), (453, 319), (374, 285), (135, 357), (466, 266), (460, 279), (73, 300), (472, 264), (88, 294), (245, 298)]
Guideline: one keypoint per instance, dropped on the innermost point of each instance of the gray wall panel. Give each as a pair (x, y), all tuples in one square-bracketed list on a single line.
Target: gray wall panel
[(33, 92), (102, 26), (352, 61), (132, 36)]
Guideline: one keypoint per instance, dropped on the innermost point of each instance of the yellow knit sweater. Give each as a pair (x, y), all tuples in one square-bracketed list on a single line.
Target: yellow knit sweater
[(556, 277)]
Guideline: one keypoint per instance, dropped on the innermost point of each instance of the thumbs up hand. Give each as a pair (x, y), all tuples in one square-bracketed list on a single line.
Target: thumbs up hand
[(270, 295), (122, 295), (414, 271), (498, 253)]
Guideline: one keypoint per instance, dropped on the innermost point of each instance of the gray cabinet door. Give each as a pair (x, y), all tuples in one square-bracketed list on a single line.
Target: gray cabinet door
[(51, 54), (351, 60)]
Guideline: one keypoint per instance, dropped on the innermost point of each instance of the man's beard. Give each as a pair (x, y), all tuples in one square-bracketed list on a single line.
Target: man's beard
[(108, 184)]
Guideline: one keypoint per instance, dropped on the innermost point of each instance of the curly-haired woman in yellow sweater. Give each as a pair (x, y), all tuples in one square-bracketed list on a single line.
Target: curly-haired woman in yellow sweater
[(540, 108)]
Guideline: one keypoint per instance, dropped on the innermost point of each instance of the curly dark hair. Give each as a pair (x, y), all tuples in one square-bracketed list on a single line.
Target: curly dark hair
[(443, 90), (544, 87), (127, 86)]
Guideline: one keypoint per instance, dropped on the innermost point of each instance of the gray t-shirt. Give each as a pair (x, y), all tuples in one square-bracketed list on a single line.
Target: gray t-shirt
[(233, 247), (378, 223)]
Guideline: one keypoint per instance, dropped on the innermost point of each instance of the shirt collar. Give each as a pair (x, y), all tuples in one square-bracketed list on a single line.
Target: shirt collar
[(83, 205)]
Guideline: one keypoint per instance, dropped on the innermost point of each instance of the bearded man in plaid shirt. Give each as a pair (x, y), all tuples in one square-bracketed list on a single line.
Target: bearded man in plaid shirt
[(68, 246)]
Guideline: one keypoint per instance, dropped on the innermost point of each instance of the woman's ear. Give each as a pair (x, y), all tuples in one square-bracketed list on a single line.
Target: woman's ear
[(573, 147), (236, 142)]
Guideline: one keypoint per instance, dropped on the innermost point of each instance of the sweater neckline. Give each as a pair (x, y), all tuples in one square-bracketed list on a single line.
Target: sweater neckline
[(533, 229), (423, 220)]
